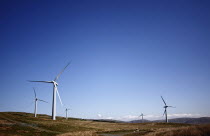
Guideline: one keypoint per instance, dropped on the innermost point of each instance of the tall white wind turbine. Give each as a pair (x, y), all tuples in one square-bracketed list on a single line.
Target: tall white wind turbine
[(165, 107), (36, 99), (55, 90)]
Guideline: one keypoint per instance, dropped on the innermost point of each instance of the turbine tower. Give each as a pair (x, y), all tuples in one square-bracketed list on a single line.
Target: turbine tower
[(165, 107), (67, 112), (142, 117), (55, 90), (36, 99)]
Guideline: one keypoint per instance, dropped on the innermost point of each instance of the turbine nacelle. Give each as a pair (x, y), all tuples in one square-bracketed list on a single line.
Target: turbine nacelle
[(55, 83), (168, 106), (165, 107)]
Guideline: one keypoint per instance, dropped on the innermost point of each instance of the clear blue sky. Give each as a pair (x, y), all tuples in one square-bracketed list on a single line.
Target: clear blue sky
[(125, 54)]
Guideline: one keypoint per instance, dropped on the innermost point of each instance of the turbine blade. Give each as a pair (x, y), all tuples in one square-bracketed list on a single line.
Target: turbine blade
[(163, 100), (171, 106), (42, 100), (56, 78), (40, 81), (34, 92), (59, 96)]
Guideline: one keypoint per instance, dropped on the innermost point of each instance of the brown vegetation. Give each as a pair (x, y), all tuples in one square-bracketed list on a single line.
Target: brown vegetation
[(196, 130), (25, 124)]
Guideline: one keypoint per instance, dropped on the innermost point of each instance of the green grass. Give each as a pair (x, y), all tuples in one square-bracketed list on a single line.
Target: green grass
[(24, 124), (23, 130)]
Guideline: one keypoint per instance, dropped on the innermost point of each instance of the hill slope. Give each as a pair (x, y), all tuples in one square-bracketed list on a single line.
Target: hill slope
[(24, 124), (202, 120)]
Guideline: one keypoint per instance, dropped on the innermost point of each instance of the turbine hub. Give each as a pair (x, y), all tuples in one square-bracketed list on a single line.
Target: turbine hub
[(55, 83)]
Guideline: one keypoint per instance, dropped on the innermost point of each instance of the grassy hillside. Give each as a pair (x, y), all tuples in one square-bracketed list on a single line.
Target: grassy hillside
[(18, 123)]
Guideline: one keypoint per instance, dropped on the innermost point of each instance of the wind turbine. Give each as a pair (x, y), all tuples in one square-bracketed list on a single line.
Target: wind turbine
[(36, 99), (166, 106), (55, 90), (142, 116), (67, 112)]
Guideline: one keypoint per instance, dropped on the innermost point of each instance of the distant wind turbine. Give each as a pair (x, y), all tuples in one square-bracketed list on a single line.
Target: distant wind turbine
[(165, 111), (142, 117), (55, 90), (36, 99), (67, 112)]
